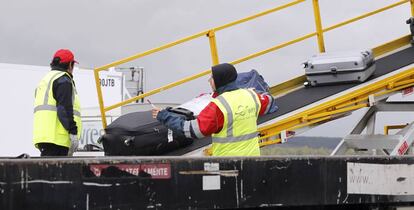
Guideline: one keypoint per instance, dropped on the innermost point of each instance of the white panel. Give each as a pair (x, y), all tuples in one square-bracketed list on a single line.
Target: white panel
[(380, 179), (111, 84), (211, 166), (92, 130), (211, 182)]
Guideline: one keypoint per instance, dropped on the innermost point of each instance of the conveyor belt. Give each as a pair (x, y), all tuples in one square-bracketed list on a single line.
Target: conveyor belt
[(305, 96)]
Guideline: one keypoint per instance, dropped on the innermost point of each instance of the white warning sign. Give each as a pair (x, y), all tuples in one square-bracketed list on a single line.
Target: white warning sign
[(380, 179)]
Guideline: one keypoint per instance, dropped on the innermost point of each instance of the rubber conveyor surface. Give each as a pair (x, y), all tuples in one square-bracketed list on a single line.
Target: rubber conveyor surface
[(305, 96)]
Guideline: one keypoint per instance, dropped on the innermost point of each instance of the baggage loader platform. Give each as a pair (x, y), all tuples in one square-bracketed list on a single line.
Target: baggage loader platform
[(206, 183), (304, 96), (300, 108)]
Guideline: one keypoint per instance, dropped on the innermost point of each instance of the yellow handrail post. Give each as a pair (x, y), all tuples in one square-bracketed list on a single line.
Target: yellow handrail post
[(412, 7), (100, 99), (213, 46), (318, 24)]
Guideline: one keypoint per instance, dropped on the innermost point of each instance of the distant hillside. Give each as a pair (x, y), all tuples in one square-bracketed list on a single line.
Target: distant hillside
[(312, 142), (303, 145)]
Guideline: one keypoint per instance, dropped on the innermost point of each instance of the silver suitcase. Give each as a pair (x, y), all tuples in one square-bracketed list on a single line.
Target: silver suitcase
[(339, 67)]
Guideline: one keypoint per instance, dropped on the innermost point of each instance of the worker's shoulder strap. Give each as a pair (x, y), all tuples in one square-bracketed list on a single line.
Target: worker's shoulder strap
[(53, 75)]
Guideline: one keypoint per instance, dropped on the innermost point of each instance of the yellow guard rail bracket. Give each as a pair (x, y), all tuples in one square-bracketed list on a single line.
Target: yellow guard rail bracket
[(211, 35)]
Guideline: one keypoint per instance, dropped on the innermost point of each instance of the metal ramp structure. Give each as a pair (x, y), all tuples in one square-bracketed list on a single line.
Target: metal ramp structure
[(380, 144), (307, 107), (272, 182), (304, 108), (300, 108)]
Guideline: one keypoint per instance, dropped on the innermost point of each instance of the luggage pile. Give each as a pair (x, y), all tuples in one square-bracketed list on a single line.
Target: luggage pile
[(140, 135)]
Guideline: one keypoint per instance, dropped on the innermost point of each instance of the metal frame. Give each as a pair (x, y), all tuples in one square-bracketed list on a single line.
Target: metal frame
[(396, 144), (345, 103), (214, 54), (273, 182)]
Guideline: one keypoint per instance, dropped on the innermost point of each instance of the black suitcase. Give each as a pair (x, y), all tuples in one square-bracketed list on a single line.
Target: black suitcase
[(139, 134)]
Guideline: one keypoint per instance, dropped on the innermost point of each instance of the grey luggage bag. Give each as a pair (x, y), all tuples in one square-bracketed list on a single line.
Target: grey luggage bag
[(339, 67)]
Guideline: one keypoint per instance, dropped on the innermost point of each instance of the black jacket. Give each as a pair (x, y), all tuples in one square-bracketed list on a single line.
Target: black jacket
[(62, 92)]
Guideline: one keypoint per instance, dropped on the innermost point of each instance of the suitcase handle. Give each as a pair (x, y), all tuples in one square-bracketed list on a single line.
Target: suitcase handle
[(182, 111), (305, 65), (366, 53)]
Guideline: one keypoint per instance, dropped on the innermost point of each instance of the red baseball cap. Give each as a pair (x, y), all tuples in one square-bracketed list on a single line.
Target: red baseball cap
[(65, 56)]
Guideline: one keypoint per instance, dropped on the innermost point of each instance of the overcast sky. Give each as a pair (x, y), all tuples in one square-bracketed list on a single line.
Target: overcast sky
[(102, 31)]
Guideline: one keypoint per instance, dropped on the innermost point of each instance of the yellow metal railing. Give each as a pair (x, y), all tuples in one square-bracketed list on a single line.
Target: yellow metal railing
[(340, 105), (211, 34)]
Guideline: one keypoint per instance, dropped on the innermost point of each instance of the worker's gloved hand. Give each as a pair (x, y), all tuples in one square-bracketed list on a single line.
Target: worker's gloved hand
[(74, 142)]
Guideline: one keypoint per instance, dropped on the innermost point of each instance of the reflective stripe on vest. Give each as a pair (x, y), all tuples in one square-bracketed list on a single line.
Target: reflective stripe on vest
[(53, 108), (231, 139), (254, 96), (240, 108)]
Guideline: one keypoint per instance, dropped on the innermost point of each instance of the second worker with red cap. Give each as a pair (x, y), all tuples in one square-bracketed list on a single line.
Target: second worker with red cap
[(57, 122)]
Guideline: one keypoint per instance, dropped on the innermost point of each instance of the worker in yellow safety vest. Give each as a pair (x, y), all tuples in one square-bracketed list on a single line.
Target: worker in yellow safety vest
[(230, 118), (57, 115)]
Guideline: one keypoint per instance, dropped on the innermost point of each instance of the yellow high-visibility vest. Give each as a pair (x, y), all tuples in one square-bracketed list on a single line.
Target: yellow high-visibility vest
[(239, 136), (47, 127)]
